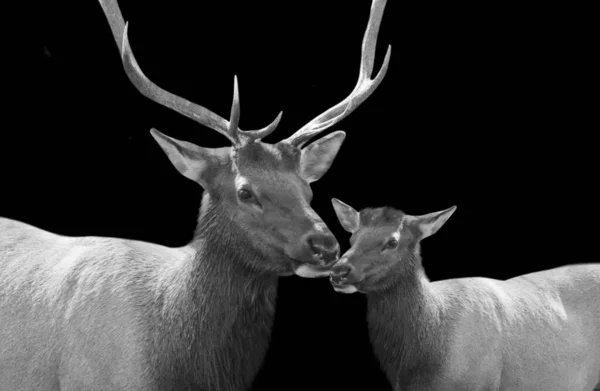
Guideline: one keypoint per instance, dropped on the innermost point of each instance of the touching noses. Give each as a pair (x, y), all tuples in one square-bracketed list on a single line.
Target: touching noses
[(339, 273), (323, 247)]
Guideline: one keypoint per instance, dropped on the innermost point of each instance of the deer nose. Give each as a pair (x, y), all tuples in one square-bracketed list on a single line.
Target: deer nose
[(324, 247), (339, 274)]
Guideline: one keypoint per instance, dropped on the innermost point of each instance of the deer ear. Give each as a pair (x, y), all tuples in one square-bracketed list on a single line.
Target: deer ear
[(430, 223), (348, 217), (194, 162), (317, 157)]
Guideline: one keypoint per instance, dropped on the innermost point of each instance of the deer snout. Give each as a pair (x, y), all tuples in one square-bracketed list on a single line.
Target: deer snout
[(324, 247), (340, 273)]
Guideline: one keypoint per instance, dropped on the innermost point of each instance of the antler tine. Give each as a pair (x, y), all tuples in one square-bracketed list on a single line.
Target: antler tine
[(364, 86), (235, 112), (115, 20), (370, 42), (191, 110), (264, 132), (148, 88), (248, 135)]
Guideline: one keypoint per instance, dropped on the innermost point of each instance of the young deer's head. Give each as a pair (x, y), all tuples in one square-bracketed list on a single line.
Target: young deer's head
[(262, 188), (384, 242)]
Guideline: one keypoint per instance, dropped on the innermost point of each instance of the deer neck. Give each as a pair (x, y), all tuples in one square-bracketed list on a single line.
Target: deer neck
[(406, 327), (218, 322)]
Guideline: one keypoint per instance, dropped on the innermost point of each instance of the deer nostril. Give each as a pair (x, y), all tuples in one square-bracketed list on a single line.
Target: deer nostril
[(340, 273), (324, 246), (329, 243), (315, 248)]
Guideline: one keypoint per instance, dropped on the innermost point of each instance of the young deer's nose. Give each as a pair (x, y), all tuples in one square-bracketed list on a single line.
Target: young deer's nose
[(324, 247), (340, 273)]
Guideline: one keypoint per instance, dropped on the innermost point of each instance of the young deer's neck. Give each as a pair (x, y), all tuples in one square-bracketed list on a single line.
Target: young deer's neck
[(406, 327), (217, 322)]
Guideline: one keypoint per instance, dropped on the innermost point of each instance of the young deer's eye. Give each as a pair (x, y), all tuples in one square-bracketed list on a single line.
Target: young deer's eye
[(390, 244), (244, 194)]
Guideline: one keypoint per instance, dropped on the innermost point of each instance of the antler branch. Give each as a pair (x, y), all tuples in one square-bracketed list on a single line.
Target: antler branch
[(191, 110), (364, 87)]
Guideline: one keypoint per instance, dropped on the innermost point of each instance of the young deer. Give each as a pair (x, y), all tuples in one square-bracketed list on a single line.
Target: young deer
[(536, 332), (91, 313)]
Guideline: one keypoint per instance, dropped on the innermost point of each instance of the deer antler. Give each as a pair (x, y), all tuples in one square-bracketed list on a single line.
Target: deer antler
[(364, 87), (198, 113)]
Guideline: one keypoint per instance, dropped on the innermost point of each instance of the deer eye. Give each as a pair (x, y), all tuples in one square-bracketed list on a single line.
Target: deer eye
[(390, 244), (244, 194)]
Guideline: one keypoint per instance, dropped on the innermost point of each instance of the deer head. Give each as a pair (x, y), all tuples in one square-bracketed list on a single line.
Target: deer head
[(384, 244), (264, 188)]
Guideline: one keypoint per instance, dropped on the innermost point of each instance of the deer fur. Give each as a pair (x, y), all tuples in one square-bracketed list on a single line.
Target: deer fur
[(535, 332), (194, 317), (95, 313)]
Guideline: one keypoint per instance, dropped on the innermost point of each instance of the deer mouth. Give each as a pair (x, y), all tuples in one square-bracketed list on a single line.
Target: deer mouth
[(310, 270), (344, 287), (340, 284), (344, 284)]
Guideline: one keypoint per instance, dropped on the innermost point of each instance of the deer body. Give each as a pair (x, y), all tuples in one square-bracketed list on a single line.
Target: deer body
[(97, 314), (539, 331), (535, 332), (138, 317)]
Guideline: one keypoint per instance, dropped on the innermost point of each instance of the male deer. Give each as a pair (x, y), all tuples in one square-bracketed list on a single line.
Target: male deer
[(91, 313), (535, 332)]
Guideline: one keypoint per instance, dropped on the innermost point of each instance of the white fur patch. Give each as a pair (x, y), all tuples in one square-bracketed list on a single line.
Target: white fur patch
[(67, 262), (240, 181), (59, 272), (308, 271), (346, 289), (273, 150)]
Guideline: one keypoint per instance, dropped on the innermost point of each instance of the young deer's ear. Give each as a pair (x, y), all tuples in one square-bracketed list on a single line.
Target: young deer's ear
[(430, 223), (317, 157), (194, 162), (348, 217)]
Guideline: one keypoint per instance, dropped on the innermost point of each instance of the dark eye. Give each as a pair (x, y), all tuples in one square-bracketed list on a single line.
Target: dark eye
[(244, 194), (392, 243)]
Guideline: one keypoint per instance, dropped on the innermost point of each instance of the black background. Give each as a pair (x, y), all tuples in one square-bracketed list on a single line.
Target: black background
[(485, 106)]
